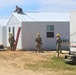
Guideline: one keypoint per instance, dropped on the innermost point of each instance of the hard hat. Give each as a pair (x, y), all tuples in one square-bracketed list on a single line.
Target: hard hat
[(57, 34), (10, 33), (38, 34)]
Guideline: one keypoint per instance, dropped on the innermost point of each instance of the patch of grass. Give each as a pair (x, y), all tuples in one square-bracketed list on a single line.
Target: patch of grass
[(53, 63), (58, 64), (71, 73), (32, 66)]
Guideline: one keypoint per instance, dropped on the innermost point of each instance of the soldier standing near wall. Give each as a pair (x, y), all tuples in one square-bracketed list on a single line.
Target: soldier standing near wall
[(11, 41), (58, 44), (38, 40)]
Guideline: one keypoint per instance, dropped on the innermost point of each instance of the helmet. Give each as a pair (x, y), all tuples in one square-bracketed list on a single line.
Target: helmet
[(10, 33), (38, 34), (57, 34)]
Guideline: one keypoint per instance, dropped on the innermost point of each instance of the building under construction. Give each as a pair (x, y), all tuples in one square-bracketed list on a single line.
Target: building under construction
[(25, 26)]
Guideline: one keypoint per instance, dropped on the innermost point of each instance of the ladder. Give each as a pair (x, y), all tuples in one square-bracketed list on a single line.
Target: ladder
[(17, 37)]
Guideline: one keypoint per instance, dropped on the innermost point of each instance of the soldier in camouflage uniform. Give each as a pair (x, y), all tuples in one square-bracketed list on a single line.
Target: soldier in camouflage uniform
[(58, 43), (38, 40), (11, 41)]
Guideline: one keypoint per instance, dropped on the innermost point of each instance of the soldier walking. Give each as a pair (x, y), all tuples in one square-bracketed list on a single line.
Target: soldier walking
[(38, 40)]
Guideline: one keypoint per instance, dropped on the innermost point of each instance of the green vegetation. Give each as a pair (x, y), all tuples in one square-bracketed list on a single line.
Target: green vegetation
[(52, 64)]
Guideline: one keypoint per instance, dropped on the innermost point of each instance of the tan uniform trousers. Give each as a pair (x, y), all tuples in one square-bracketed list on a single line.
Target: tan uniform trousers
[(38, 46), (59, 48)]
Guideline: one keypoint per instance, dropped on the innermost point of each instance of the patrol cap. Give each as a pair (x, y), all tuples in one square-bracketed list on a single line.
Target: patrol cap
[(57, 34)]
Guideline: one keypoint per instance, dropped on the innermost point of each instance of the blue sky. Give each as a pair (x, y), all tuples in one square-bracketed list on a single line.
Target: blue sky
[(8, 6)]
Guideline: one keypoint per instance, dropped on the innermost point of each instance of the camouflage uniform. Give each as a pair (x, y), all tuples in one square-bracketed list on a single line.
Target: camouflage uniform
[(38, 40), (11, 41), (58, 43)]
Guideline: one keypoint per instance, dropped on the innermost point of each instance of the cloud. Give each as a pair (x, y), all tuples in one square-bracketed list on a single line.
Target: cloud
[(57, 5), (57, 1), (39, 5), (41, 2), (4, 3)]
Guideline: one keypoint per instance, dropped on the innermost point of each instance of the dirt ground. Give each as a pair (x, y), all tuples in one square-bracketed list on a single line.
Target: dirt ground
[(12, 62)]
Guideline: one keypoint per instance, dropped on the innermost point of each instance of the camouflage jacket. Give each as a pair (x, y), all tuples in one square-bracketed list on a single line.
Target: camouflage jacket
[(38, 39)]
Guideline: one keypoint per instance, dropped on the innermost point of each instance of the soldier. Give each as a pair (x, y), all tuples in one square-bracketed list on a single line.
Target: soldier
[(58, 43), (18, 10), (11, 41), (38, 40)]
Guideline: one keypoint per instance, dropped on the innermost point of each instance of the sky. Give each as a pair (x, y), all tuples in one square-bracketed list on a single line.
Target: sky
[(8, 6)]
